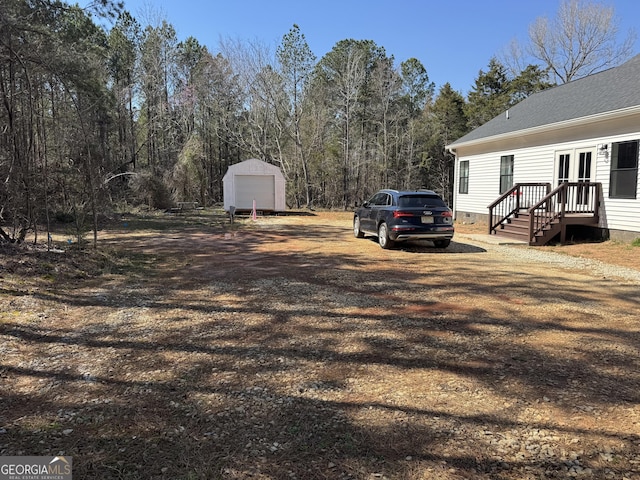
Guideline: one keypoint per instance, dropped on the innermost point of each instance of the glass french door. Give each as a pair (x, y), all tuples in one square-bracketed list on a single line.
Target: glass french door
[(584, 175), (576, 166), (564, 164)]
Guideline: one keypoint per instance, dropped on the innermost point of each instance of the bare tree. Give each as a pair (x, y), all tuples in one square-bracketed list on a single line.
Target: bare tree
[(253, 65), (581, 40), (296, 62), (344, 69), (513, 58)]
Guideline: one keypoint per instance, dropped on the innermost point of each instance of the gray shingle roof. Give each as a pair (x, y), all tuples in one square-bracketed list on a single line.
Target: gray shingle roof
[(607, 91)]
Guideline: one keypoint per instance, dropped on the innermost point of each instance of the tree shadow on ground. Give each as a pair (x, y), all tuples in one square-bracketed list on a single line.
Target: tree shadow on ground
[(267, 354)]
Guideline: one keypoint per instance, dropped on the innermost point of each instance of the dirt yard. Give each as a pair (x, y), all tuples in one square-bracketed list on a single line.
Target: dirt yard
[(284, 348)]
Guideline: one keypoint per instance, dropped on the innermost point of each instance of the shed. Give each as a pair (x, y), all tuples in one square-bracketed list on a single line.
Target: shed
[(252, 180)]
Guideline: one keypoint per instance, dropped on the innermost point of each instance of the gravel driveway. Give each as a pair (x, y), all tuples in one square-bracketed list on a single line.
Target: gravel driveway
[(286, 348)]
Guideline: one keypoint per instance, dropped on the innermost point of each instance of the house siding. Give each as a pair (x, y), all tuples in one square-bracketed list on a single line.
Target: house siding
[(530, 165), (618, 214), (538, 164)]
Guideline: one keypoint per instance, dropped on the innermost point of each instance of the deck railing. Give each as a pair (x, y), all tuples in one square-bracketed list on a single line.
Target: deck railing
[(570, 202), (520, 197), (578, 199)]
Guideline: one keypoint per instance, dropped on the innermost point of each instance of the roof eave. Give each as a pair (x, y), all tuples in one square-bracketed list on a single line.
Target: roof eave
[(575, 122)]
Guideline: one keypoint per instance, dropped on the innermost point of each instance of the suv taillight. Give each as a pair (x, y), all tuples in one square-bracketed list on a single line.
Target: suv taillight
[(447, 214), (400, 213)]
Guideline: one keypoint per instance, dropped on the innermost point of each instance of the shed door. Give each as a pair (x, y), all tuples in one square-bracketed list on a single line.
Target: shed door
[(261, 188)]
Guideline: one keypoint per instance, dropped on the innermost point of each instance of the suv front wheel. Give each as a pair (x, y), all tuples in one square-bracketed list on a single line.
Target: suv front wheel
[(356, 228), (383, 236)]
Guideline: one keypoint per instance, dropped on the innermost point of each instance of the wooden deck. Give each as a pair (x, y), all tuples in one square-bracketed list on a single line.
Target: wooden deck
[(536, 214)]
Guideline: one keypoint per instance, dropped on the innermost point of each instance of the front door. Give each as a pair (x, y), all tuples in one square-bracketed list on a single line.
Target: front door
[(576, 166)]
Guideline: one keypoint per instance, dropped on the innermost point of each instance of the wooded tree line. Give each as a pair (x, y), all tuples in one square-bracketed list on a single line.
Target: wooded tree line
[(94, 119)]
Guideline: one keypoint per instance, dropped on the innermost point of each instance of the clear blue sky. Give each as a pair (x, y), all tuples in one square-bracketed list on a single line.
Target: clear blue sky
[(454, 39)]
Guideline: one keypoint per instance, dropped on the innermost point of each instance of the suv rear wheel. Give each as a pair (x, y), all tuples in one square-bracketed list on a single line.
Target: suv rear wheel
[(441, 243), (383, 236)]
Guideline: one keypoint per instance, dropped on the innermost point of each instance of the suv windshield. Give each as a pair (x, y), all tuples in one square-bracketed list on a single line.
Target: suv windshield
[(420, 201)]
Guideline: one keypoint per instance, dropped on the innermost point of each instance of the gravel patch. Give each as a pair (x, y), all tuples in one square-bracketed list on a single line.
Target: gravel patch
[(524, 253)]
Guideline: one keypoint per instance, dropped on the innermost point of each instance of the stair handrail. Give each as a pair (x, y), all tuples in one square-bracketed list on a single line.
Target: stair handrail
[(500, 204), (510, 202), (544, 212)]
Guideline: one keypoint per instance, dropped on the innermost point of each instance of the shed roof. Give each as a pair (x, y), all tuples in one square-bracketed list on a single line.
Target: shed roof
[(608, 91), (253, 166)]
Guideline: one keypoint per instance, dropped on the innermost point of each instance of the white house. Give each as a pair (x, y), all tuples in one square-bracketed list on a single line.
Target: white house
[(568, 155), (254, 180)]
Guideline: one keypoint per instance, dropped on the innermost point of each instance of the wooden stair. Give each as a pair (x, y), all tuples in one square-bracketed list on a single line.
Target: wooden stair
[(535, 214), (517, 228)]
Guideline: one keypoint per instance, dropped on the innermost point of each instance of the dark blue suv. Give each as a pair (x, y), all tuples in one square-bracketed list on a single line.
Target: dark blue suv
[(395, 216)]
